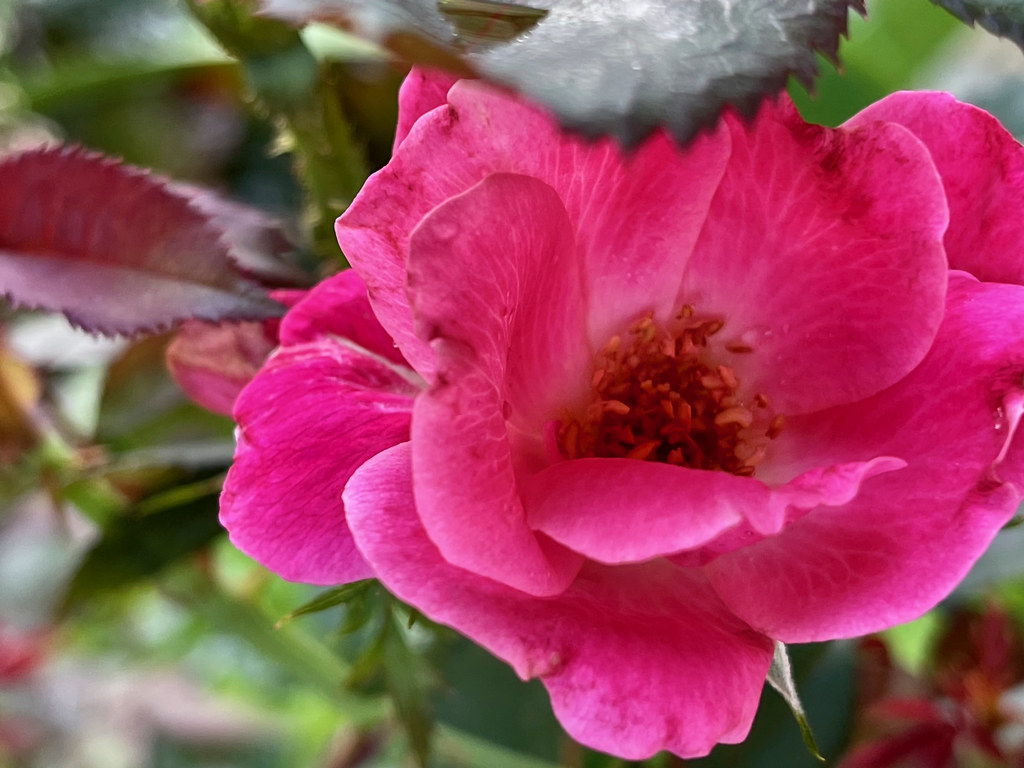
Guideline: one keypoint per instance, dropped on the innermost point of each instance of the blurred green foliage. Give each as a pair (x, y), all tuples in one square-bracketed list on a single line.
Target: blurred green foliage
[(293, 122), (302, 99)]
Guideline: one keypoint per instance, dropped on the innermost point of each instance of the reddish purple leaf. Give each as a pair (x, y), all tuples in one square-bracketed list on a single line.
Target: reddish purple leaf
[(115, 249), (256, 244)]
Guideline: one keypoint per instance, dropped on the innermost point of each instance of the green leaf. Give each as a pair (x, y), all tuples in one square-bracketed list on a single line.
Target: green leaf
[(133, 548), (827, 675), (1004, 18), (468, 751), (484, 697), (481, 22), (912, 645), (302, 98), (303, 657), (306, 659), (780, 677), (409, 681), (387, 658), (607, 66), (329, 599)]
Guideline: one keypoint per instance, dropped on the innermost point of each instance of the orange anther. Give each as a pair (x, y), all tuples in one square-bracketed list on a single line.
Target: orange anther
[(615, 406), (642, 451)]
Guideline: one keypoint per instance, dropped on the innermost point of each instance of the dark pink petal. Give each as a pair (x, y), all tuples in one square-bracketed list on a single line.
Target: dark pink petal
[(909, 535), (636, 658), (823, 252), (628, 511), (338, 307), (829, 486), (495, 288), (636, 218), (982, 169), (422, 90), (212, 363), (306, 422)]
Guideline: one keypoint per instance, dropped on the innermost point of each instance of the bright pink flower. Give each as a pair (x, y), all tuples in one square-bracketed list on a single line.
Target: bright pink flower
[(645, 414)]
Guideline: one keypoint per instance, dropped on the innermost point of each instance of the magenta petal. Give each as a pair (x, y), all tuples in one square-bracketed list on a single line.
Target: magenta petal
[(495, 269), (636, 659), (338, 307), (306, 422), (835, 282), (831, 486), (832, 573), (982, 169), (504, 311), (636, 217), (628, 511), (422, 90)]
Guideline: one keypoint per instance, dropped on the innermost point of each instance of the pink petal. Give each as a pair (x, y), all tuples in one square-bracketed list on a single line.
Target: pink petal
[(811, 259), (828, 486), (212, 363), (288, 296), (422, 90), (982, 169), (636, 659), (306, 422), (494, 286), (636, 219), (909, 536), (496, 268), (628, 511), (338, 306)]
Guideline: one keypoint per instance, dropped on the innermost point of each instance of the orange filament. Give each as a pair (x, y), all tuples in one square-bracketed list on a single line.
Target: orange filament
[(657, 397)]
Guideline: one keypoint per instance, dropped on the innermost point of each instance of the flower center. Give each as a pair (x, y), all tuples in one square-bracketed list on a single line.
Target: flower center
[(658, 396)]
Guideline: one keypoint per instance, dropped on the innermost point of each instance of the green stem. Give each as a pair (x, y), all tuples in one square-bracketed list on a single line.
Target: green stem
[(308, 661), (463, 749), (301, 99), (303, 657)]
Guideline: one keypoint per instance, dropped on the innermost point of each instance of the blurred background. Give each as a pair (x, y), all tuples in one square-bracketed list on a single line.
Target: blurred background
[(132, 635)]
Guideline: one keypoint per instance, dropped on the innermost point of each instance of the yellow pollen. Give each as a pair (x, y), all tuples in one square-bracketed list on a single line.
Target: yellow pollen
[(658, 396)]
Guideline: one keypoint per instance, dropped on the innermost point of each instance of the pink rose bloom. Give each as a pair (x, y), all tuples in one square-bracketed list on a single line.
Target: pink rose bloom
[(626, 420)]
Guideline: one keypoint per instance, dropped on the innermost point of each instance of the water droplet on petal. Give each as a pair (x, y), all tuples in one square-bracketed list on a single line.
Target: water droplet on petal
[(1008, 416)]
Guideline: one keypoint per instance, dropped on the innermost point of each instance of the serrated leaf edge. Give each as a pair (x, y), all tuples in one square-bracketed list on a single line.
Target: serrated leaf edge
[(248, 288)]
